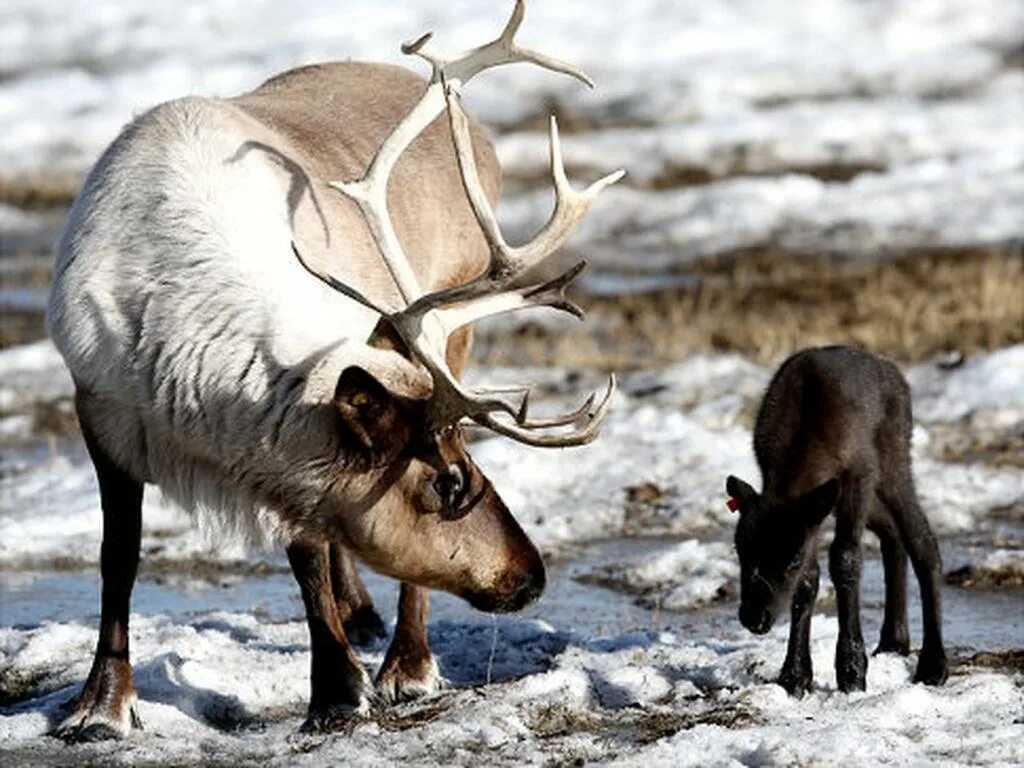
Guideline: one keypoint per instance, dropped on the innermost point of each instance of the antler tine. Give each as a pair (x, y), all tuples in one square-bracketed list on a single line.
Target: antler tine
[(428, 320), (548, 294), (507, 262), (553, 421), (502, 50), (524, 434), (570, 205)]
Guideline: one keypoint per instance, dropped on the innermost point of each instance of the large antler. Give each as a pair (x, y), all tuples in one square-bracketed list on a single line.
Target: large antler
[(428, 320)]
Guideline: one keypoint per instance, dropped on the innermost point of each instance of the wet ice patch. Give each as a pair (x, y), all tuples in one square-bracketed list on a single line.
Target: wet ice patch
[(684, 576)]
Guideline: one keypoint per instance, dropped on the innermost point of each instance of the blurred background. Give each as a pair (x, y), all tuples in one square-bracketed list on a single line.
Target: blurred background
[(844, 170), (798, 173)]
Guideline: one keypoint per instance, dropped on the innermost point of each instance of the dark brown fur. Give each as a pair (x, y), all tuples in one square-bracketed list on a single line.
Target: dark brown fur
[(833, 432)]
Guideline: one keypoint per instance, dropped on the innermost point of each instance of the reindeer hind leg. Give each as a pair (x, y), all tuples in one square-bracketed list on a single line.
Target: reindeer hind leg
[(105, 709), (362, 623)]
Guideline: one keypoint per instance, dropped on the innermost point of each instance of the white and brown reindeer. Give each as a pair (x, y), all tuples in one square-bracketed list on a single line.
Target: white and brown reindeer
[(288, 358)]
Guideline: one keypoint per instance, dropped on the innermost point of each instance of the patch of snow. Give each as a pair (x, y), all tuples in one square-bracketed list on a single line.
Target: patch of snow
[(229, 688), (682, 429), (987, 389), (937, 202)]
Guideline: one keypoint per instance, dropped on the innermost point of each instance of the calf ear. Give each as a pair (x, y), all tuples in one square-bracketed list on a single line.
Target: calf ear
[(817, 503), (740, 491)]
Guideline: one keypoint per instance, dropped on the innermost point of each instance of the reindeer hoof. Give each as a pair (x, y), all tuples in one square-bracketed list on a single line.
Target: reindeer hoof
[(796, 684), (932, 668), (338, 717), (338, 700), (406, 679), (364, 627), (105, 709)]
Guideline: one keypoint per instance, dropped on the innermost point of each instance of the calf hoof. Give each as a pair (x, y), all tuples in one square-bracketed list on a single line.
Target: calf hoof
[(932, 668), (851, 668), (406, 678), (893, 642), (364, 627), (796, 683), (901, 647), (105, 709)]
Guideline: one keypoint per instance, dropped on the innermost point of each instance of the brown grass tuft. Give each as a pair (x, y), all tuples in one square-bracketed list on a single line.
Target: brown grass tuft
[(767, 305)]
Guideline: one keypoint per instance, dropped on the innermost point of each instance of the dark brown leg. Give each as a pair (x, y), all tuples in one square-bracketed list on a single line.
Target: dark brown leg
[(845, 570), (363, 626), (895, 636), (920, 545), (105, 709), (797, 671), (409, 670), (338, 682)]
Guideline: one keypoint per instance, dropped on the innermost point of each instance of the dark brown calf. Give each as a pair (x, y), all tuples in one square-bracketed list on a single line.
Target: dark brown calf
[(833, 432)]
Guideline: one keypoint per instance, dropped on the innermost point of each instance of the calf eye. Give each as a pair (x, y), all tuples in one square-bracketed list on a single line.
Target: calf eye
[(450, 487)]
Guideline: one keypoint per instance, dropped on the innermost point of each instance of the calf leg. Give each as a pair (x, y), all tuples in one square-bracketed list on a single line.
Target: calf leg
[(362, 624), (338, 682), (409, 670), (105, 709), (797, 673), (845, 570), (920, 544), (895, 637)]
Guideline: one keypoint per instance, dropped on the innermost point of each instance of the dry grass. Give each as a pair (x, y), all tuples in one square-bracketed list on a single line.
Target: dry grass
[(39, 192), (762, 304), (767, 305)]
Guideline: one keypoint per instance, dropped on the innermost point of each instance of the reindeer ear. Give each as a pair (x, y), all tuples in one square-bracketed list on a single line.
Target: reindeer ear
[(740, 491), (816, 504), (379, 413), (393, 371)]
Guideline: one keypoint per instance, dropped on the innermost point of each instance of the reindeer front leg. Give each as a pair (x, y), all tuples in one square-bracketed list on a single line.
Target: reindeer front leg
[(409, 670), (797, 672), (339, 684)]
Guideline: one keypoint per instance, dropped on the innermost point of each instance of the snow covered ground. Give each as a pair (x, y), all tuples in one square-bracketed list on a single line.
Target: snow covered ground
[(229, 689), (229, 686)]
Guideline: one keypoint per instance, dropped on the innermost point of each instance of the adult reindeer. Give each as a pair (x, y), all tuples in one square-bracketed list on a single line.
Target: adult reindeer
[(209, 361)]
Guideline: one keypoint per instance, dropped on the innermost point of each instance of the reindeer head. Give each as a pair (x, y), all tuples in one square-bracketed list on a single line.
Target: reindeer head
[(429, 515), (775, 541)]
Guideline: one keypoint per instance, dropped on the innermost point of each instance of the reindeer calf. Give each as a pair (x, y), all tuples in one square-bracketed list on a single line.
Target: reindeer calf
[(833, 432)]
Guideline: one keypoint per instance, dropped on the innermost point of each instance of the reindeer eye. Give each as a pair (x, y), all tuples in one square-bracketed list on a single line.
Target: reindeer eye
[(450, 486)]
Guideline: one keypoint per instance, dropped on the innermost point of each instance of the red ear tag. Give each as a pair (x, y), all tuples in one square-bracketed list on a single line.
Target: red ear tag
[(732, 504)]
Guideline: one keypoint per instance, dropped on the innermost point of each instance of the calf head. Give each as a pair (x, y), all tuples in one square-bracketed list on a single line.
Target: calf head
[(775, 541)]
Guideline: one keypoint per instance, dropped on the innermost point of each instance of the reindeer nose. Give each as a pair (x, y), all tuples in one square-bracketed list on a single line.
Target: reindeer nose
[(516, 589), (530, 586)]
